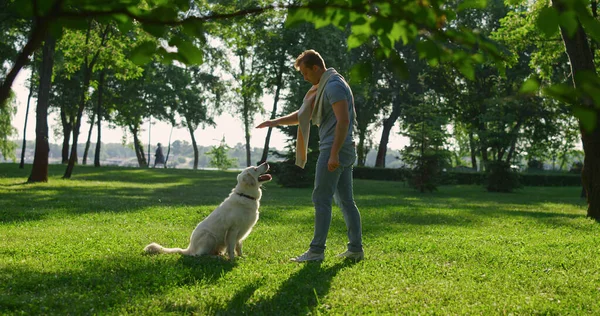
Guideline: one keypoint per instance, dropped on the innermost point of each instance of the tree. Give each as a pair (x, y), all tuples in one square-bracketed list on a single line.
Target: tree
[(24, 144), (198, 94), (425, 126), (7, 147), (587, 83), (219, 157), (39, 171), (579, 29), (275, 54), (243, 38), (87, 67)]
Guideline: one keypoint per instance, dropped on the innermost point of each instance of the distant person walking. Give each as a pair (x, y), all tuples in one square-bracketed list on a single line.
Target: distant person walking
[(159, 158)]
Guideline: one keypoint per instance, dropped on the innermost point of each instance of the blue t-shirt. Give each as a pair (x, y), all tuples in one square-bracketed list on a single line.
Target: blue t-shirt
[(336, 90)]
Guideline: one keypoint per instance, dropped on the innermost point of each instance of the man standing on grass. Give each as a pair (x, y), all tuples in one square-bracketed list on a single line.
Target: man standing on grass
[(330, 105)]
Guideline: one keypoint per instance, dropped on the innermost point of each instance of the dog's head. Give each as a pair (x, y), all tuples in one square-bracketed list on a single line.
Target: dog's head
[(255, 176)]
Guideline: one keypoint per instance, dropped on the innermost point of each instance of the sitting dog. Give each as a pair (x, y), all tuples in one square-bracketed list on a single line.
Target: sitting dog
[(230, 223)]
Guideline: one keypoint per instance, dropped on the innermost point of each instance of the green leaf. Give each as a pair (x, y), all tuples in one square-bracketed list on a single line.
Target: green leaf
[(562, 92), (466, 68), (587, 117), (193, 28), (547, 21), (472, 4), (298, 16), (143, 53), (398, 32), (188, 52), (56, 30), (588, 83), (591, 25), (125, 25), (428, 50), (399, 66), (355, 40), (568, 20), (155, 30), (73, 23), (530, 85), (360, 71)]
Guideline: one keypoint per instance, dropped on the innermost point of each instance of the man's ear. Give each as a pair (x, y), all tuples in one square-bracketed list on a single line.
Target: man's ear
[(248, 180)]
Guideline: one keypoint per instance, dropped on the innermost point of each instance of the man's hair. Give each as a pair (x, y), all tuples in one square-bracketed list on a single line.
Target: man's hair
[(309, 58)]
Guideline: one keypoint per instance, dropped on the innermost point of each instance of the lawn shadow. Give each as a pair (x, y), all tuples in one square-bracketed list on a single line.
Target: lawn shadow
[(105, 285), (300, 294), (206, 268), (111, 190)]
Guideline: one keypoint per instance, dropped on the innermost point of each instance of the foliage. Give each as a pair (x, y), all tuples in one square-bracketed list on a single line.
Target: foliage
[(426, 154), (291, 176), (400, 21), (501, 177), (7, 131), (535, 165), (219, 158)]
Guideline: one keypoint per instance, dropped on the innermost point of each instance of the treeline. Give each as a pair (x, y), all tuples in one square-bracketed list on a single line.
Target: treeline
[(181, 155)]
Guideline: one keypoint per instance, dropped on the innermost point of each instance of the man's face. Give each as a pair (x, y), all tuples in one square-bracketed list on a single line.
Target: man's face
[(310, 74)]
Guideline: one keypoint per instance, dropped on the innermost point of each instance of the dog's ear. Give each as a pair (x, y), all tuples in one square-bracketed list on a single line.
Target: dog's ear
[(248, 180)]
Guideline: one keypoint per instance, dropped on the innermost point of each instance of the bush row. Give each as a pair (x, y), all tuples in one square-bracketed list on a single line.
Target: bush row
[(476, 178), (449, 177)]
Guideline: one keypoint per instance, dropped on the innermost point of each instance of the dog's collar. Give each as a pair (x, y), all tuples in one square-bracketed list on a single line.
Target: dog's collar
[(246, 196)]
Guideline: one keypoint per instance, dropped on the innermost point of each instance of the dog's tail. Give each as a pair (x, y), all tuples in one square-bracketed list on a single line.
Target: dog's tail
[(155, 248)]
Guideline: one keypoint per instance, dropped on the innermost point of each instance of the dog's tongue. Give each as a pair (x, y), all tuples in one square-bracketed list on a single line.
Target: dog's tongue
[(264, 177)]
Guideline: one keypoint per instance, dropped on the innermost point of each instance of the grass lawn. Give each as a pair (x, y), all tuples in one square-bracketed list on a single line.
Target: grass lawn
[(75, 247)]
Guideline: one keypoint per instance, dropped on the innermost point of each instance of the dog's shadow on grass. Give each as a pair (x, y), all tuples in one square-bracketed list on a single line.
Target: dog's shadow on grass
[(206, 268), (298, 295)]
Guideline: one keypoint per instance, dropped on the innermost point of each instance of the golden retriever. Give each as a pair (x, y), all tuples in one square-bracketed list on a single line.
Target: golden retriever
[(230, 223)]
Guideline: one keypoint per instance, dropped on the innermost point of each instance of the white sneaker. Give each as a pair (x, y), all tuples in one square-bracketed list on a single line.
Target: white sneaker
[(356, 256), (309, 256)]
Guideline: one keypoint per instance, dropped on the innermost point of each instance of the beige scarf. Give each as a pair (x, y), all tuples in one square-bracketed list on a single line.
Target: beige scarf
[(312, 108)]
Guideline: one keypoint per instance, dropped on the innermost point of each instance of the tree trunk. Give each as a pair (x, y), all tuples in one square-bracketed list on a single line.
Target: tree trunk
[(473, 150), (67, 125), (194, 145), (361, 153), (265, 153), (22, 164), (168, 148), (99, 112), (138, 147), (40, 28), (89, 138), (388, 124), (77, 125), (483, 147), (580, 57), (39, 171), (513, 142), (248, 148)]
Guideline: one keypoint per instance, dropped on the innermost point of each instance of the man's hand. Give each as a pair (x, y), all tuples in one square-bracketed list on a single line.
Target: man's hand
[(333, 163), (269, 123)]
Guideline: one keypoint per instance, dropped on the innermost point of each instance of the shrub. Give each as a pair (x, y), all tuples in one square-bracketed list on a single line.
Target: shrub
[(291, 176), (501, 178)]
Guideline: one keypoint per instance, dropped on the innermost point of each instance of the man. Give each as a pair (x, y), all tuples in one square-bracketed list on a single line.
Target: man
[(330, 105)]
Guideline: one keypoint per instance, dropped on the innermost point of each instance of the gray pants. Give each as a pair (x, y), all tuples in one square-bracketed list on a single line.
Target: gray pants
[(338, 182)]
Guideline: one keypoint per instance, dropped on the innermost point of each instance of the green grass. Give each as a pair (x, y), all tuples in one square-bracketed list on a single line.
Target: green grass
[(75, 247)]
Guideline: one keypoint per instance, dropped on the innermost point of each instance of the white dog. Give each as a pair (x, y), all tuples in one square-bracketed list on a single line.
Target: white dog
[(230, 223)]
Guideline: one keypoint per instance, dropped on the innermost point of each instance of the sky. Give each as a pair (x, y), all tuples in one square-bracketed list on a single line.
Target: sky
[(226, 126)]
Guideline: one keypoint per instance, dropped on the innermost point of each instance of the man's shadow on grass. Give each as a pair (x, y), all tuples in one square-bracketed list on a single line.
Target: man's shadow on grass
[(298, 295)]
